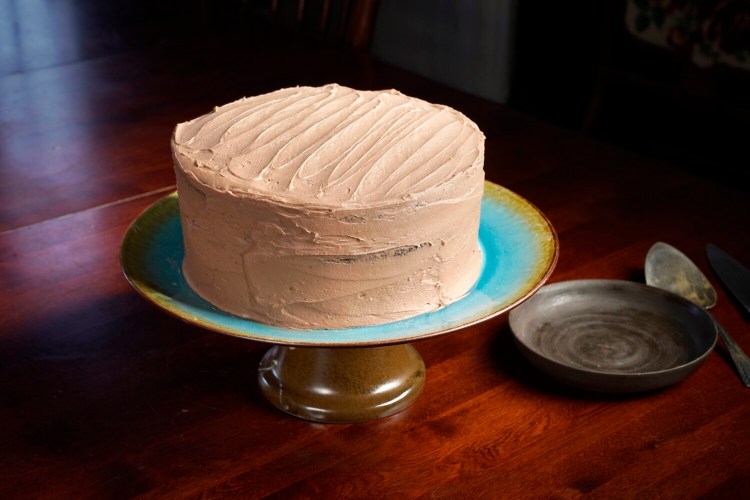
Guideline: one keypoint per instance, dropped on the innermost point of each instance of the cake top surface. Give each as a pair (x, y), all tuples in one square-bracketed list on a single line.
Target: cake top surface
[(331, 145)]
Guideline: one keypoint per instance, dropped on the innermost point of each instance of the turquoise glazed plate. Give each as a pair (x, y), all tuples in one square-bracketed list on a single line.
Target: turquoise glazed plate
[(520, 251)]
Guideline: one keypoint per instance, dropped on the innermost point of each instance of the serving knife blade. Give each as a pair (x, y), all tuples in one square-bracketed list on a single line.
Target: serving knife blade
[(734, 275)]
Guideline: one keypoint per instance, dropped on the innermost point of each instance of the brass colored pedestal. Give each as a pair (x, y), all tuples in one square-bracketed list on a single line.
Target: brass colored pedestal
[(341, 384)]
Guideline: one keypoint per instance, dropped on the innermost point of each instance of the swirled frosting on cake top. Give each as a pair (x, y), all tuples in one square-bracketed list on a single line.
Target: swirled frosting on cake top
[(330, 146)]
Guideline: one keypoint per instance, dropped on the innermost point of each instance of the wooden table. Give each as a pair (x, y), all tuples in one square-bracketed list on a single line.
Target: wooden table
[(102, 395)]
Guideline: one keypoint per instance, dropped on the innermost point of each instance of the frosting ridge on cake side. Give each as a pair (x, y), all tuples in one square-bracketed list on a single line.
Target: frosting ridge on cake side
[(327, 207)]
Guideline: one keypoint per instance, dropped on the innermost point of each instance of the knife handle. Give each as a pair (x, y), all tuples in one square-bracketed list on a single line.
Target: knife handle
[(741, 361)]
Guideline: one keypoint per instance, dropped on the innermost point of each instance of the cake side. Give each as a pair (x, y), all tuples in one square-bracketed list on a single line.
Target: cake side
[(326, 257), (328, 269)]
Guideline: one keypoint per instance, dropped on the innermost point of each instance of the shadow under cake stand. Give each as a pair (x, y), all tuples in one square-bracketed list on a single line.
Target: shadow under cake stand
[(350, 374)]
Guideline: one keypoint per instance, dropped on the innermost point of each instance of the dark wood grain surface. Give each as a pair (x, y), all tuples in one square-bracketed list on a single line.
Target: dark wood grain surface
[(104, 396)]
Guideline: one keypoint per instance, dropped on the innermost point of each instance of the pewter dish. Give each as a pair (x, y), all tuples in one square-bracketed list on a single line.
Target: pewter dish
[(612, 336)]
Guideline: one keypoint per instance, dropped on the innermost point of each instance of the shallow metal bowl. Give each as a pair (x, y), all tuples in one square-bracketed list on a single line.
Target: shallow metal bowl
[(611, 335)]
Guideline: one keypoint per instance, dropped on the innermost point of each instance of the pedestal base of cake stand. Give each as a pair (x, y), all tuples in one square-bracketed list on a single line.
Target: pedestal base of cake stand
[(339, 385)]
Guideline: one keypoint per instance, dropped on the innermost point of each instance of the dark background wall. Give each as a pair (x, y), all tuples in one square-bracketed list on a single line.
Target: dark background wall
[(572, 63), (576, 64)]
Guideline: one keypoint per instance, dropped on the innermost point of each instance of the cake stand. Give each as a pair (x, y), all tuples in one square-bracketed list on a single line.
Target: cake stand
[(350, 374)]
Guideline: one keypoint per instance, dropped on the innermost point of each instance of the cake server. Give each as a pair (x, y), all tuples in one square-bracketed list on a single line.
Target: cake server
[(670, 269), (734, 275)]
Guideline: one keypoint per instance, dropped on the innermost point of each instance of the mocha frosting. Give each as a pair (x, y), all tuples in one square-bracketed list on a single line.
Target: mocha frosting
[(330, 207)]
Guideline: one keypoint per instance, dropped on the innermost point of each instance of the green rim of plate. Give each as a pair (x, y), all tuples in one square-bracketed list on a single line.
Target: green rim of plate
[(520, 250)]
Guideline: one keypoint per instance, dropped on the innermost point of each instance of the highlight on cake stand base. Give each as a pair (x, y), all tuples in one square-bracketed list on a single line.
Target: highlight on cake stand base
[(350, 374)]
